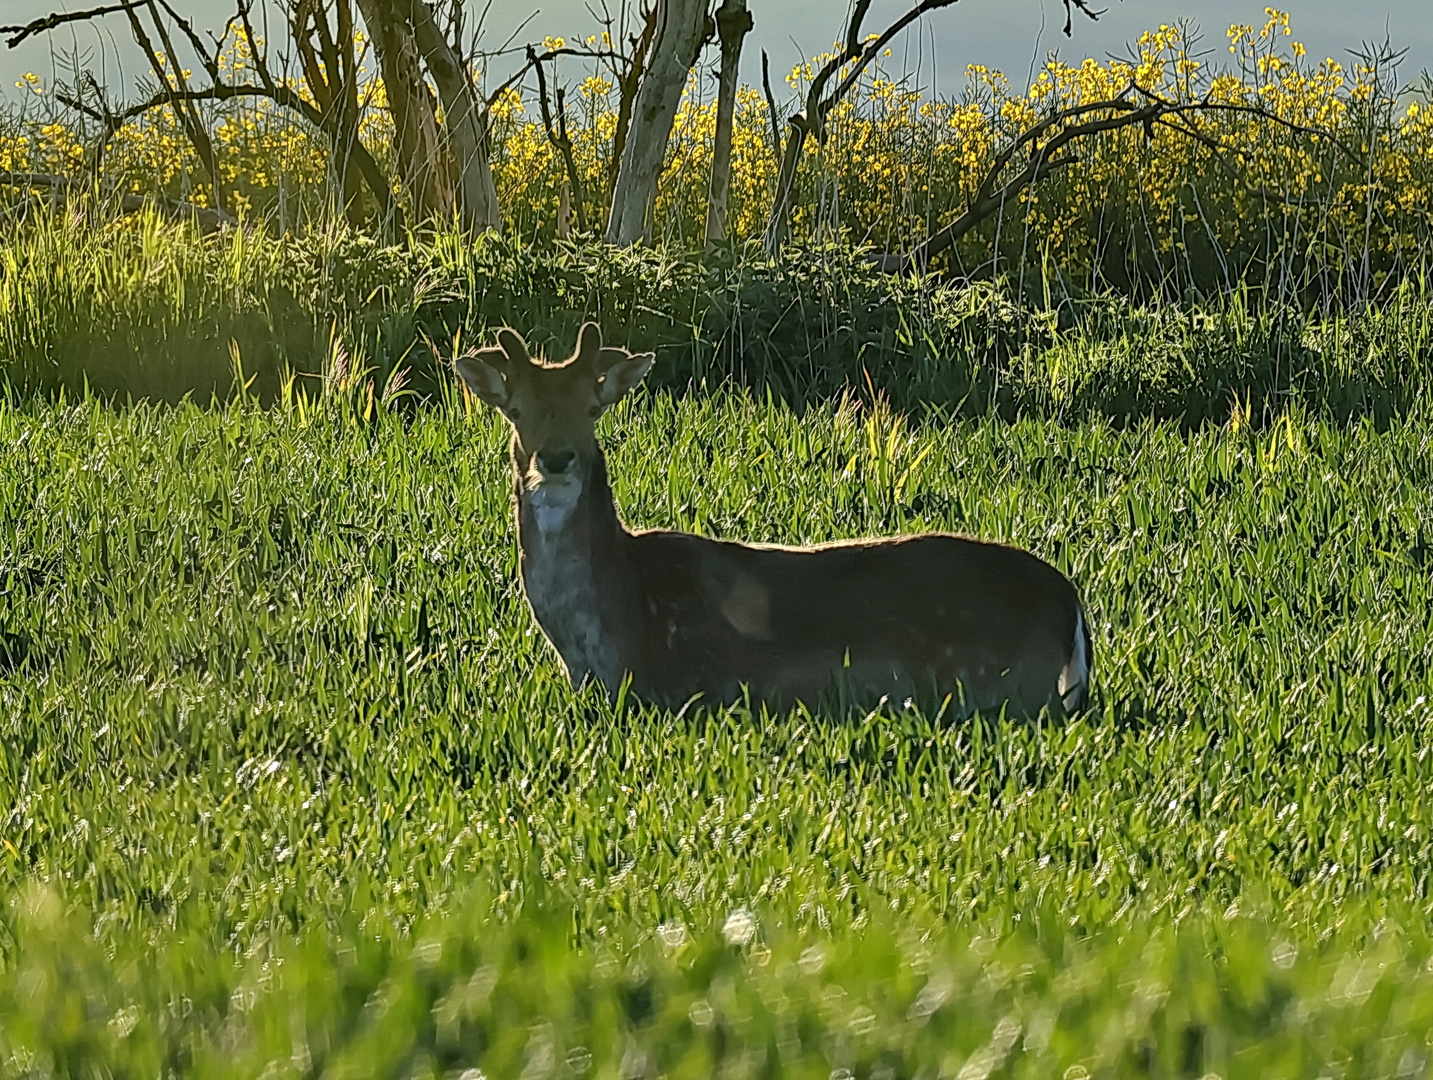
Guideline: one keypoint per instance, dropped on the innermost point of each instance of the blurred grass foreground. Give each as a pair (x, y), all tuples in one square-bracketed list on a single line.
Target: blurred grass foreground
[(292, 786)]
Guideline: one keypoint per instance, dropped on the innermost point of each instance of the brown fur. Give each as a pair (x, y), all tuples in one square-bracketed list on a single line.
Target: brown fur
[(925, 616)]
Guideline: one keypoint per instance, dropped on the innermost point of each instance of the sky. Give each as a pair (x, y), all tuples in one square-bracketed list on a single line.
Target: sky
[(1011, 35)]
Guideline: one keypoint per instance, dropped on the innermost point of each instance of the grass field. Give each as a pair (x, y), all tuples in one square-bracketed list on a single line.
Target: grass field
[(293, 785)]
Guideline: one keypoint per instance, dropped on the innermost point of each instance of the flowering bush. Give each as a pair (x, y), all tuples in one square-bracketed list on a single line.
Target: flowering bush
[(1332, 193)]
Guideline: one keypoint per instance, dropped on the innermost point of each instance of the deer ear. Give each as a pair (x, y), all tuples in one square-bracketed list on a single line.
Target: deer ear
[(620, 372), (514, 346), (589, 343), (482, 371)]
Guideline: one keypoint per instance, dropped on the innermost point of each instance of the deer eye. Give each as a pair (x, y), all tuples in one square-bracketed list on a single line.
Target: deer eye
[(514, 414), (594, 411)]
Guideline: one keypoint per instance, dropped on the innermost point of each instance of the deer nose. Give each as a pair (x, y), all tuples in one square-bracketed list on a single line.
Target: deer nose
[(556, 459)]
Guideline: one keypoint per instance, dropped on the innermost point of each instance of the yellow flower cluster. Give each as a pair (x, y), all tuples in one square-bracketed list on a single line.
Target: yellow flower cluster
[(1342, 165), (1203, 187)]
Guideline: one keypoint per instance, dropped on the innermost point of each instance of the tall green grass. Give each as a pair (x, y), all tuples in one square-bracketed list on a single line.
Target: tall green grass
[(142, 309), (289, 776)]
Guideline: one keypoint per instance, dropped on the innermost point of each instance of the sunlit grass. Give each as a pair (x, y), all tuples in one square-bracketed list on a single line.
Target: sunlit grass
[(141, 309), (266, 673)]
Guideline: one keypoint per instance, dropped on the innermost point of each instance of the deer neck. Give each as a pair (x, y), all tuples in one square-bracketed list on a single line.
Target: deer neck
[(574, 570)]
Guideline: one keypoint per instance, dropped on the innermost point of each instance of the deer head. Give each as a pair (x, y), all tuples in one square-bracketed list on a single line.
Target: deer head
[(553, 409)]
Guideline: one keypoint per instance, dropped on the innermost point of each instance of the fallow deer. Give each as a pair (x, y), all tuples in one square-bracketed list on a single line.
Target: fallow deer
[(932, 616)]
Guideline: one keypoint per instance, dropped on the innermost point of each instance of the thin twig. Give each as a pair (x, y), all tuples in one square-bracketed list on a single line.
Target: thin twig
[(1084, 8), (863, 57), (279, 94), (771, 104), (59, 18), (534, 58), (210, 62)]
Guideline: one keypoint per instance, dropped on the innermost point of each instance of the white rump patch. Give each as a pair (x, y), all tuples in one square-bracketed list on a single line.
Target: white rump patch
[(1075, 677)]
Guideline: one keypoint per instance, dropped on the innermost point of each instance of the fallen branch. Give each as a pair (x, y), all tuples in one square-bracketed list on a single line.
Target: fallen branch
[(208, 219)]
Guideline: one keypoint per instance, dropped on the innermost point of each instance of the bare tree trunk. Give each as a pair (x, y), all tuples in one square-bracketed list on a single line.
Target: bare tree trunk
[(184, 109), (778, 223), (564, 212), (329, 66), (344, 66), (682, 28), (415, 120), (340, 126), (733, 23), (629, 80), (466, 119)]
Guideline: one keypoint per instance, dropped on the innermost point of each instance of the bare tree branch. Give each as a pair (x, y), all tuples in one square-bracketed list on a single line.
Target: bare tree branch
[(557, 135), (261, 62), (992, 194), (1259, 113), (811, 118), (1083, 6), (771, 105), (60, 18), (337, 123), (206, 56), (535, 58), (188, 116), (279, 94), (861, 57)]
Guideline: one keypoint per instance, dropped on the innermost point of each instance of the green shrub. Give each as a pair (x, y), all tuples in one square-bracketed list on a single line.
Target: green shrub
[(142, 310)]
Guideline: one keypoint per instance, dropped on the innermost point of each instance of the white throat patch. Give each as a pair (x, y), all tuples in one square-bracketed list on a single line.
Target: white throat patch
[(552, 499)]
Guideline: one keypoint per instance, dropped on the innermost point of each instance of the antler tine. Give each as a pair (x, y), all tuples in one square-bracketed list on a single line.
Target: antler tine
[(515, 347)]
